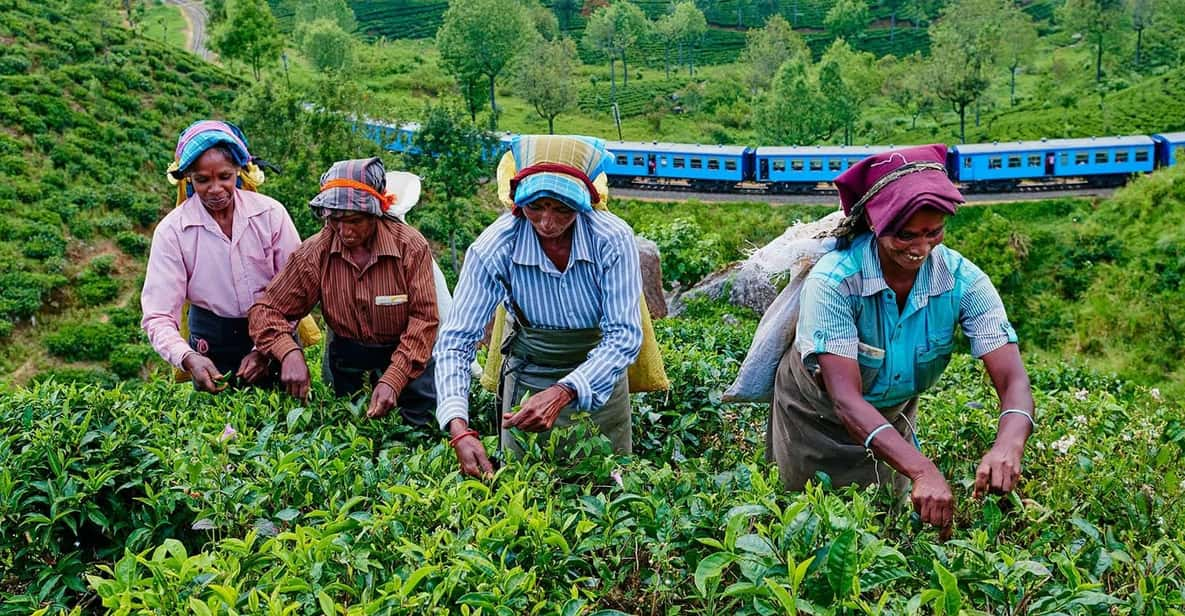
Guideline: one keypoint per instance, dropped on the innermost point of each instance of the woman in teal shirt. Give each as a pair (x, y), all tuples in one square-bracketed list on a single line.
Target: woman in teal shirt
[(876, 328)]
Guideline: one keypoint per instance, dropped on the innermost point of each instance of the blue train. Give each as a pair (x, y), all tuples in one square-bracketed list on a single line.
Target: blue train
[(978, 167)]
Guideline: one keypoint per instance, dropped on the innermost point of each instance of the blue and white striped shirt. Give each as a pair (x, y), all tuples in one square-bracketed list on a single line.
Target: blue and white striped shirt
[(601, 287), (848, 309)]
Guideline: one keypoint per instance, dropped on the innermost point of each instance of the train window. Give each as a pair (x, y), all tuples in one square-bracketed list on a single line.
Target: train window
[(1035, 160), (967, 163), (697, 163), (1081, 158), (816, 164), (852, 161), (1101, 157), (1065, 159), (679, 164), (995, 162), (713, 163), (834, 164), (1121, 156), (796, 165), (622, 159), (1141, 156), (730, 165), (779, 165), (639, 161), (1013, 162)]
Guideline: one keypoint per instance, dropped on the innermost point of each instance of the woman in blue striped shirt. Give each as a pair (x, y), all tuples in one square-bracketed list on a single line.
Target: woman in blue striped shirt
[(876, 328), (567, 272)]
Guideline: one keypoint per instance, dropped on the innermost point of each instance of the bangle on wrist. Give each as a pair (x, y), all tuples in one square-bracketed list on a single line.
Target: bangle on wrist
[(460, 437), (1028, 415), (875, 431)]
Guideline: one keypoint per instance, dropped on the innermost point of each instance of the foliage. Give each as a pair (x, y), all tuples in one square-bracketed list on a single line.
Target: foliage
[(83, 341), (962, 48), (249, 34), (612, 31), (327, 46), (545, 78), (767, 48), (688, 253), (790, 111), (472, 44), (1098, 20), (338, 11), (847, 18)]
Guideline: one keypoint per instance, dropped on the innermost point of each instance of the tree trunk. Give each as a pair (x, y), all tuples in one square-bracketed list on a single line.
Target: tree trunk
[(551, 125), (1012, 91), (1098, 62), (625, 70), (977, 113), (493, 105), (1139, 41), (612, 79)]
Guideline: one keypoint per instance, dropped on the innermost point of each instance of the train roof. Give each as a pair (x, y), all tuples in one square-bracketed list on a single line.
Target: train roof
[(675, 148), (822, 150), (1051, 144), (1171, 137)]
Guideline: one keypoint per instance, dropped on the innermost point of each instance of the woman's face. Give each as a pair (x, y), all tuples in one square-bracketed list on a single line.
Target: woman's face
[(550, 218), (907, 249), (213, 177), (353, 228)]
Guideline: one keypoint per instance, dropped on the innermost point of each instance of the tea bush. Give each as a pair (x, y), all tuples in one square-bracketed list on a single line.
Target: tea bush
[(84, 341)]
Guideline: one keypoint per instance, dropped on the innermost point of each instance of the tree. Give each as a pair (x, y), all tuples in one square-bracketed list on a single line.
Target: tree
[(451, 161), (789, 112), (545, 78), (612, 31), (1142, 14), (741, 6), (249, 34), (546, 24), (767, 48), (482, 37), (692, 25), (962, 47), (565, 10), (847, 18), (326, 45), (906, 85), (1018, 46), (847, 80), (308, 11), (1098, 20)]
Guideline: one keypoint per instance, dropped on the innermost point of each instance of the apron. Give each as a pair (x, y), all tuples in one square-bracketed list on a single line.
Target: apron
[(804, 435), (224, 340), (347, 362), (537, 359)]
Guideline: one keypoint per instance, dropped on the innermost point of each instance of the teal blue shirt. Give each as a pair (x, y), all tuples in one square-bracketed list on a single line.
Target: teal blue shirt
[(848, 309)]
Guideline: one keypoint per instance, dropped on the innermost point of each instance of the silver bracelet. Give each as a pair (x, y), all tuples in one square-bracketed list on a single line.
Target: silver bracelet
[(1027, 414), (875, 431)]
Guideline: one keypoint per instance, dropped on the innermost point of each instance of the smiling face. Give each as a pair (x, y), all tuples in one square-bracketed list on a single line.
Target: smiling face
[(550, 218), (906, 250), (213, 177), (353, 228)]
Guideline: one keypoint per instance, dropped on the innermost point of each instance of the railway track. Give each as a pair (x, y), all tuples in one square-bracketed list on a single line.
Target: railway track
[(830, 196)]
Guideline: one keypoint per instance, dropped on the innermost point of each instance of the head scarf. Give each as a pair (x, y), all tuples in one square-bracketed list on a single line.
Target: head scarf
[(563, 167), (886, 189), (203, 135), (358, 185)]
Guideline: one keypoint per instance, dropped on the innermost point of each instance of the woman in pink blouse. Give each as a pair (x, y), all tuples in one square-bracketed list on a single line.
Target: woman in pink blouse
[(217, 250)]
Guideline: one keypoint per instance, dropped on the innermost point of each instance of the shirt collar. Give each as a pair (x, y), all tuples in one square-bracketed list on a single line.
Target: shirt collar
[(933, 279), (528, 250), (386, 240), (194, 214)]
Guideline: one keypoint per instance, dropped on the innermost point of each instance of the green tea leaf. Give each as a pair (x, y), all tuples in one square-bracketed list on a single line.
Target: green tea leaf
[(711, 567), (841, 566)]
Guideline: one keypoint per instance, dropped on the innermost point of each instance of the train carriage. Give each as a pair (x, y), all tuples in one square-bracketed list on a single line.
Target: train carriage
[(1103, 161), (659, 165), (803, 168), (1170, 148)]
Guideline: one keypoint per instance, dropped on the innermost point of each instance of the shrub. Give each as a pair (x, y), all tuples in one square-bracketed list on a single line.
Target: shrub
[(84, 341), (93, 289), (688, 254), (112, 224), (128, 360), (124, 318), (80, 376), (102, 264), (45, 244), (5, 328), (132, 243)]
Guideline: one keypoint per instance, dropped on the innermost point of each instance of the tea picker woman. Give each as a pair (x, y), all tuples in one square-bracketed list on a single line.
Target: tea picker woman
[(217, 250), (876, 329), (372, 275), (566, 270)]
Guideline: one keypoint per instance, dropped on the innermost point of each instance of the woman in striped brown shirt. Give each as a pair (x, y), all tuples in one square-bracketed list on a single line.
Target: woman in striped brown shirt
[(372, 275)]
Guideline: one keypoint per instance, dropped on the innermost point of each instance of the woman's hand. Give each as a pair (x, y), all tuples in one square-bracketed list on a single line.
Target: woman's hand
[(1000, 469), (933, 500), (203, 372), (382, 400), (470, 452), (539, 412), (253, 367), (294, 374)]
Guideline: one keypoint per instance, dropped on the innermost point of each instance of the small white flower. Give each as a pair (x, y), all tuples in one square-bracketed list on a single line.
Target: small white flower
[(1182, 485), (1127, 436), (1063, 445), (1080, 420), (1155, 392), (1081, 395)]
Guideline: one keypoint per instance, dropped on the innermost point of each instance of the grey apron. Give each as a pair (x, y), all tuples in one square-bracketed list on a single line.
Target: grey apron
[(804, 434), (536, 359)]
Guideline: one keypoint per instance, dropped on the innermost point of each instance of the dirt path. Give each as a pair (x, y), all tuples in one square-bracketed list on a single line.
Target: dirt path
[(196, 18)]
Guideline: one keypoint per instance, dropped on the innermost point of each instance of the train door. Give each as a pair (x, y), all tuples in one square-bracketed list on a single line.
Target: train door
[(652, 165), (764, 173), (1050, 159)]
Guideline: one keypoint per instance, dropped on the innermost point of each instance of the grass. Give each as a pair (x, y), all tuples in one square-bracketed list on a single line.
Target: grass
[(165, 23)]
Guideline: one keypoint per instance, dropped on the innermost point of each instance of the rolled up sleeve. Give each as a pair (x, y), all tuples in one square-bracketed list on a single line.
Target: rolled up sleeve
[(983, 318), (825, 323)]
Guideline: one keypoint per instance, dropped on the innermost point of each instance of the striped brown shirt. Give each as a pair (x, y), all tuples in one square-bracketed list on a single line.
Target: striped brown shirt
[(391, 300)]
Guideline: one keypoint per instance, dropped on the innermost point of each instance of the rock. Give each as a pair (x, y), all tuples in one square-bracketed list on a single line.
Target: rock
[(651, 263), (745, 286)]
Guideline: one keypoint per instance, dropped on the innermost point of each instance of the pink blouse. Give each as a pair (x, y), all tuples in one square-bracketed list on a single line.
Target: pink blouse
[(192, 259)]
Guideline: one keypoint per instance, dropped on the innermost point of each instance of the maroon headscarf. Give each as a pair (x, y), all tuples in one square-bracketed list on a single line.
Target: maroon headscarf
[(888, 188)]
